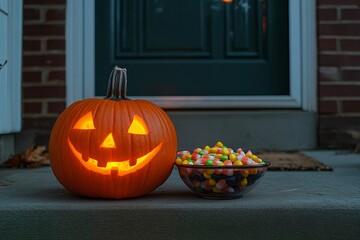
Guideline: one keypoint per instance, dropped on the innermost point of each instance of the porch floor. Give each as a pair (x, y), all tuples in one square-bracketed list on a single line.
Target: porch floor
[(285, 205)]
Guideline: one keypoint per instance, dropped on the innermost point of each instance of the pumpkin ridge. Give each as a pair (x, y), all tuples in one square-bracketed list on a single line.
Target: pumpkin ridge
[(146, 119), (99, 110), (58, 134)]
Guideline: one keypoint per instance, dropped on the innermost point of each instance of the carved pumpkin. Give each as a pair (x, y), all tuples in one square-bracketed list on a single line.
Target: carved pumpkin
[(113, 147)]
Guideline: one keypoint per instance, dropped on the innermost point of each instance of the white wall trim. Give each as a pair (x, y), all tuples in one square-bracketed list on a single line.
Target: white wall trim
[(15, 57), (309, 55), (11, 107), (80, 66)]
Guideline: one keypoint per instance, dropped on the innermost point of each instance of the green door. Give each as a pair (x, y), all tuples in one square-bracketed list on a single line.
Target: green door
[(194, 47)]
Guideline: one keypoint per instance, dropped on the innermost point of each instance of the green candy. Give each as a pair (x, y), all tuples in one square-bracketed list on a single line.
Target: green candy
[(209, 162), (224, 158)]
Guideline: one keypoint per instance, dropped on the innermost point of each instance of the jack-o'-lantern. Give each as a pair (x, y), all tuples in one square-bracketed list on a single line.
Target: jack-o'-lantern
[(112, 147)]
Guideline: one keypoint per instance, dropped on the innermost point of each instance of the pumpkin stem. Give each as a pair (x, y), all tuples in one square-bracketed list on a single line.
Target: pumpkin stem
[(117, 84)]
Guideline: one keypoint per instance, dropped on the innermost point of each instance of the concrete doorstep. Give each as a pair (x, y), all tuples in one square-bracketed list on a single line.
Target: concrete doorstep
[(285, 205)]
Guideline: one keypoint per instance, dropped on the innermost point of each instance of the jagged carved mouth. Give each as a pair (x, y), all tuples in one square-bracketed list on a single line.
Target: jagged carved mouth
[(115, 168)]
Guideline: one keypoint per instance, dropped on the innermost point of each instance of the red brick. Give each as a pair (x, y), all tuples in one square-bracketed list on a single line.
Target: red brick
[(44, 30), (339, 90), (31, 14), (327, 138), (351, 106), (339, 122), (339, 60), (42, 137), (41, 92), (345, 136), (350, 44), (56, 75), (342, 29), (327, 44), (55, 14), (31, 45), (45, 2), (329, 74), (43, 60), (350, 14), (56, 107), (38, 122), (336, 139), (55, 44), (338, 2), (32, 107), (31, 76), (328, 106), (350, 75), (327, 14)]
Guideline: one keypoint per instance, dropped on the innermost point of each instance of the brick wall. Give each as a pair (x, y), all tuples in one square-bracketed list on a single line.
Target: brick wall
[(339, 72), (43, 65)]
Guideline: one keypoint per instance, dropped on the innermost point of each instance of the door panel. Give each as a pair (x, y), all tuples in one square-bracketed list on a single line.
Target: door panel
[(194, 47)]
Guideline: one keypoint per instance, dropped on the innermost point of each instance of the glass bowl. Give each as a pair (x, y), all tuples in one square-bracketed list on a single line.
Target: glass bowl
[(222, 182)]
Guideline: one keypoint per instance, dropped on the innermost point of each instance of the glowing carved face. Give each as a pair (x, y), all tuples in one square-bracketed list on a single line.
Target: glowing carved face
[(108, 152)]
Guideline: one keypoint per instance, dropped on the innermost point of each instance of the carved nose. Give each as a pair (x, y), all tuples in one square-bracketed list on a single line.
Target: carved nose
[(108, 142)]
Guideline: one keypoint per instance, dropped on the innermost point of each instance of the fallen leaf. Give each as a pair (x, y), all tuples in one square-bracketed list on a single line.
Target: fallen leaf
[(32, 157)]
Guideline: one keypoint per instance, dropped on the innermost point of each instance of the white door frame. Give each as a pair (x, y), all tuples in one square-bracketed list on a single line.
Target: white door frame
[(80, 63), (10, 74)]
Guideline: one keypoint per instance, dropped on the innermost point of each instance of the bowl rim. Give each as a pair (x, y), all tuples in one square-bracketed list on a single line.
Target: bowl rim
[(265, 165)]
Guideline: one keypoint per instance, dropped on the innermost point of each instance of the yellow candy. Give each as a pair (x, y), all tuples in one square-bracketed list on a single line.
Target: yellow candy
[(214, 149), (212, 182), (225, 151), (210, 171), (197, 150), (244, 182), (238, 163), (185, 162), (245, 173), (185, 157), (218, 155), (219, 144), (232, 157), (207, 176), (178, 161), (258, 160), (207, 148)]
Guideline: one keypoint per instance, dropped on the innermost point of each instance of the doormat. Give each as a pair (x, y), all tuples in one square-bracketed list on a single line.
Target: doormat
[(292, 161)]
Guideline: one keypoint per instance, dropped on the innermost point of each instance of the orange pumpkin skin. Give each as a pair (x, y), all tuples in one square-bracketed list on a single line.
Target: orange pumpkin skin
[(94, 152)]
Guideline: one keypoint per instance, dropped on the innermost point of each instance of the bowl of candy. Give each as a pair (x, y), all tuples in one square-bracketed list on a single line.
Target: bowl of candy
[(220, 172)]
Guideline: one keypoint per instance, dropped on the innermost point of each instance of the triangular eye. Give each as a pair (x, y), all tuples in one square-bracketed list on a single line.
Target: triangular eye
[(85, 123), (138, 126), (108, 142)]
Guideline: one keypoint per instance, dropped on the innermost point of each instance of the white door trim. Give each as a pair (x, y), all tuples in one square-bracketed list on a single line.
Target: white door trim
[(80, 55), (10, 78)]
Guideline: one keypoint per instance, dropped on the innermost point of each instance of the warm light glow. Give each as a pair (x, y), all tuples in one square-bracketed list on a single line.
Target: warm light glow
[(85, 123), (227, 1), (108, 142), (119, 168), (138, 126)]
